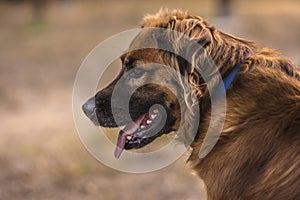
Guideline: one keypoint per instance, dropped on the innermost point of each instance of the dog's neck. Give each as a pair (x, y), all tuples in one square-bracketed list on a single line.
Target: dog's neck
[(227, 81), (227, 51)]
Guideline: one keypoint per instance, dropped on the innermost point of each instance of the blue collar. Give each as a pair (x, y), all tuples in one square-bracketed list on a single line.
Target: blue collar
[(225, 84), (227, 81)]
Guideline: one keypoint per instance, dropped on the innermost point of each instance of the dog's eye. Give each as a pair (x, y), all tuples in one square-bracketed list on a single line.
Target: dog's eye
[(136, 72)]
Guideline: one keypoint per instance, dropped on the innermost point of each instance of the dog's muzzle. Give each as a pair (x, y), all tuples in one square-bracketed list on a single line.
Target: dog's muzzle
[(89, 109)]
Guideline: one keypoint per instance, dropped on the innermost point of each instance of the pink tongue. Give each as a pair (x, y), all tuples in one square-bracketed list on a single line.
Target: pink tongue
[(128, 130)]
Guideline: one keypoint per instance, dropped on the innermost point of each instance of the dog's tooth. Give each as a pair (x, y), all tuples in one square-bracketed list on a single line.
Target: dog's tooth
[(128, 137), (142, 126), (153, 116), (155, 111), (149, 121), (122, 127)]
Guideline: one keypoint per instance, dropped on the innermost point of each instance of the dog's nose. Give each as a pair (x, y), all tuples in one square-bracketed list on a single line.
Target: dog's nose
[(89, 107)]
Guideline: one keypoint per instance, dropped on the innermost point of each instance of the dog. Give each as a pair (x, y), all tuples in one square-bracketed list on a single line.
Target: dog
[(257, 155)]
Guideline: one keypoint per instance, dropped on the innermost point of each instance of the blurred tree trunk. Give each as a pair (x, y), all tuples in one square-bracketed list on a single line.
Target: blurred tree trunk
[(39, 9), (224, 7)]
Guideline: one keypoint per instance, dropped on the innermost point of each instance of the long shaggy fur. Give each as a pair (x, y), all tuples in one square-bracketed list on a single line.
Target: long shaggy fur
[(258, 153)]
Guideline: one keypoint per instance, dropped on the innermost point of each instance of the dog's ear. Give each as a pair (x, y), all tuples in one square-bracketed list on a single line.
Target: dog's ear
[(188, 38), (200, 37), (198, 31)]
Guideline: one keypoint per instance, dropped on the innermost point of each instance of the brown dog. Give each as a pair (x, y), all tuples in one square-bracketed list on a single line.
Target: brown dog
[(258, 153)]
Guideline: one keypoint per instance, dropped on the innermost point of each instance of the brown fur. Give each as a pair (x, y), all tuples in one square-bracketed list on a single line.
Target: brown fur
[(257, 155)]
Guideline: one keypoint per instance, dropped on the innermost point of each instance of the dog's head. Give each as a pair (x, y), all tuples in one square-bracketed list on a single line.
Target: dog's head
[(142, 98), (142, 74)]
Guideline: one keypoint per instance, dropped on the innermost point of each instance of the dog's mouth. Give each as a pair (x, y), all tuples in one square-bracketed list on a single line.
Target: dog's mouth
[(141, 132)]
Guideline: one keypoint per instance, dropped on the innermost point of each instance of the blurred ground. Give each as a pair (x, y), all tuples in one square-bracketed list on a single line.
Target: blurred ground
[(41, 156)]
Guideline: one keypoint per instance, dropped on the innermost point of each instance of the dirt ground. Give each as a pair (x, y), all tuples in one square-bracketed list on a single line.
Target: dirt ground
[(41, 156)]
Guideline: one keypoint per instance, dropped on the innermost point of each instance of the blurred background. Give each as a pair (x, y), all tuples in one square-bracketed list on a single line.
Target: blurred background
[(42, 44)]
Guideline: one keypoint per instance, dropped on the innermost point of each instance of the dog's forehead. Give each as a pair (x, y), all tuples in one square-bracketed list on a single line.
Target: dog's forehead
[(141, 56), (143, 49)]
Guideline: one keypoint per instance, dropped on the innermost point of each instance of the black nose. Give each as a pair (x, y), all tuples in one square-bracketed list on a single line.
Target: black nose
[(89, 107), (89, 110)]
